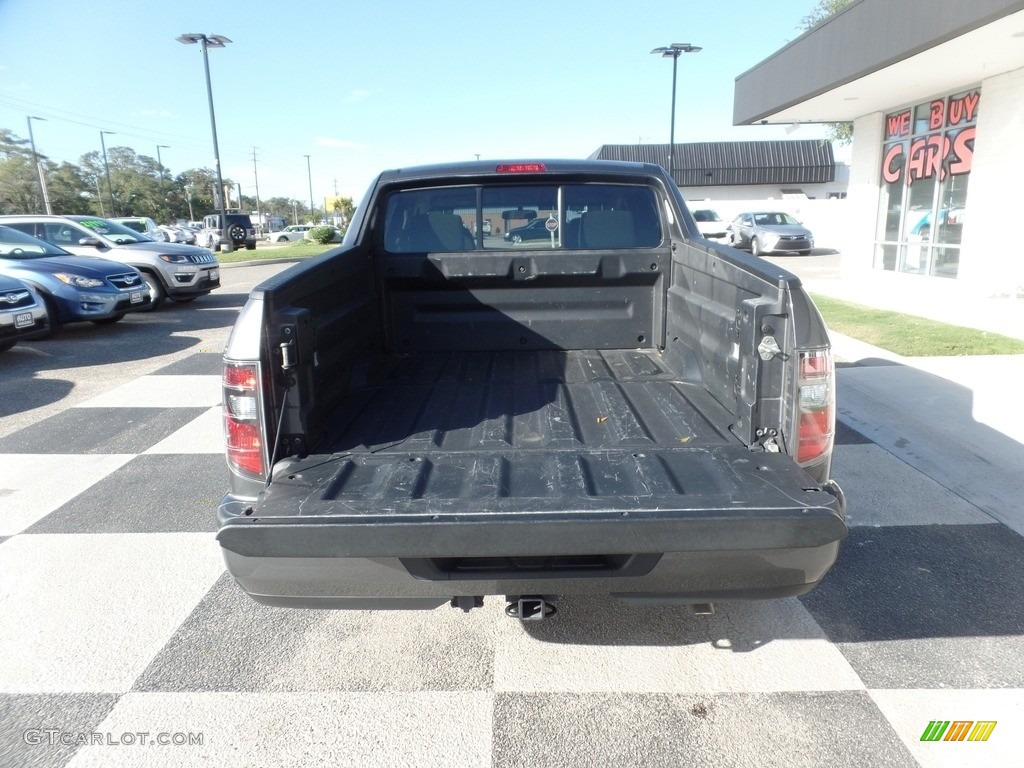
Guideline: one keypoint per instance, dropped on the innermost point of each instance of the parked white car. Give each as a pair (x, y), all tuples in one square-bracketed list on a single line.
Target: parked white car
[(711, 224), (143, 225), (290, 234)]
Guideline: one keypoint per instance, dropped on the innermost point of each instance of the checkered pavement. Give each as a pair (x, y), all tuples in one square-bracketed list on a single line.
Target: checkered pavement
[(118, 625)]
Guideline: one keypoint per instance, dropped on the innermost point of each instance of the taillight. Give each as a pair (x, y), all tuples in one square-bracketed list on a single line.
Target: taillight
[(242, 431), (817, 405)]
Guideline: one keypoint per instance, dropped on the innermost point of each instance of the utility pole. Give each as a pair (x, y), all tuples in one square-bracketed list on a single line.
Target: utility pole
[(259, 212)]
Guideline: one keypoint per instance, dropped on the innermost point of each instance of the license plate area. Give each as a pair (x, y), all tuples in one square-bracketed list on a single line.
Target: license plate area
[(23, 320), (136, 297)]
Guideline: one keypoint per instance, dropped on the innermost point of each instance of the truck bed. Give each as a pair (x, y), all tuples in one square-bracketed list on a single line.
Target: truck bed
[(519, 433), (525, 402)]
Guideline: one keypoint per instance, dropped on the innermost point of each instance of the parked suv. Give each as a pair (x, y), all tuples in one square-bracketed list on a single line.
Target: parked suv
[(173, 270), (239, 230)]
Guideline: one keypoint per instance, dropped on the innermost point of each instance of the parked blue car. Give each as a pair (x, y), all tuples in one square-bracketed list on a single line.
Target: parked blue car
[(73, 288), (22, 312)]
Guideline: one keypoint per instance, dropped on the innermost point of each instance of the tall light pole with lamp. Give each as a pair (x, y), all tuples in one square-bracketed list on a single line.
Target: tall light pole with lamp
[(106, 168), (206, 42), (673, 52), (39, 165)]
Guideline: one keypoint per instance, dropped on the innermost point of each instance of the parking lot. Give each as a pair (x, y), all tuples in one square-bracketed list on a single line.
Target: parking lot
[(124, 641)]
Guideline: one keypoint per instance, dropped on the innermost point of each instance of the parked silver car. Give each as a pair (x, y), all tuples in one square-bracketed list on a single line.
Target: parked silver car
[(770, 232)]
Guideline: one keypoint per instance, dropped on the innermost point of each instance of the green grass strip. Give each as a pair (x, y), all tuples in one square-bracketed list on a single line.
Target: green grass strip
[(302, 250), (909, 335)]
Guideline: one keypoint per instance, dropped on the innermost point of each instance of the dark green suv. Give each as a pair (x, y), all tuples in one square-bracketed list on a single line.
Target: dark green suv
[(240, 232)]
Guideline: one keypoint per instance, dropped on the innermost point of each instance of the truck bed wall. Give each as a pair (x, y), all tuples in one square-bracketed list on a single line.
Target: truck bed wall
[(353, 310)]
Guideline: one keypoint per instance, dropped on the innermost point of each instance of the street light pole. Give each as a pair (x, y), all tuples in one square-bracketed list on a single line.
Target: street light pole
[(673, 52), (39, 166), (309, 173), (160, 162), (110, 189), (206, 42)]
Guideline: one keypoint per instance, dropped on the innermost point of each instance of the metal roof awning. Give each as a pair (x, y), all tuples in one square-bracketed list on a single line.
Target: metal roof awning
[(718, 163), (876, 55)]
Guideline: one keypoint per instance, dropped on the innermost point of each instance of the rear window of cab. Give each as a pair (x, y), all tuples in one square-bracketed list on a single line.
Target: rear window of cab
[(524, 216)]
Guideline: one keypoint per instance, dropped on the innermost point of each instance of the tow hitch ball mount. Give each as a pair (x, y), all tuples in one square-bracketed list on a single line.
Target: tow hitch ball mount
[(530, 607)]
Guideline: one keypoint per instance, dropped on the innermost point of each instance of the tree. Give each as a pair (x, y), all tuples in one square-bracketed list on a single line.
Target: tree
[(193, 193), (839, 133), (19, 184), (68, 189), (344, 207)]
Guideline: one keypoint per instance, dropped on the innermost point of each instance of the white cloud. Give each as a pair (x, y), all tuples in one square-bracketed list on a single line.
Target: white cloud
[(357, 94), (327, 141)]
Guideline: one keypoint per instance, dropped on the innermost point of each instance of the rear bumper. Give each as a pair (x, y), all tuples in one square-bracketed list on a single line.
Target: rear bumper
[(650, 556)]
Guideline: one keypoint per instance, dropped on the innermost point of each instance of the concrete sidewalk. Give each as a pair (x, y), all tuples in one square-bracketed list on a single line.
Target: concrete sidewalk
[(957, 420)]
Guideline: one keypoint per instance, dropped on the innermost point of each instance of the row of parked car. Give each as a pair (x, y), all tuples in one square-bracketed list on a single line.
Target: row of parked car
[(66, 269), (757, 231), (161, 233)]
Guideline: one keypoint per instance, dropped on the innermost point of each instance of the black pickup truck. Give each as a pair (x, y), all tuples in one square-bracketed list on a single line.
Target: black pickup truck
[(430, 413)]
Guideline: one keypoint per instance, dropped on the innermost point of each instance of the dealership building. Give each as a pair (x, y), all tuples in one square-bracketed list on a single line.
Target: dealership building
[(935, 92)]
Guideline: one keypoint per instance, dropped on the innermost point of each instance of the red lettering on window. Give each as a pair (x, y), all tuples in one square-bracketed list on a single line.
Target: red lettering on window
[(898, 124), (938, 115), (963, 152), (892, 166), (971, 104), (926, 157), (963, 109)]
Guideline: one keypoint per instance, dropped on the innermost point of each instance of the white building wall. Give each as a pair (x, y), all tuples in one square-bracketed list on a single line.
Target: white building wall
[(865, 180), (991, 260)]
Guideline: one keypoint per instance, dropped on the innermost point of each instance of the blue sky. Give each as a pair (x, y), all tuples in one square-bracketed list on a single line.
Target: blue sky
[(365, 86)]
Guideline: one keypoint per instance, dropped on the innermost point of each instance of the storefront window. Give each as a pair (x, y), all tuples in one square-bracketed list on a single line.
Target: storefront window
[(926, 164)]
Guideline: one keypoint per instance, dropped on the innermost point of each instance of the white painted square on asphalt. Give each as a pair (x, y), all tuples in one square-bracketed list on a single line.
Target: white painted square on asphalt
[(745, 647), (910, 711), (88, 612), (204, 434), (430, 728), (882, 489), (161, 392), (34, 485)]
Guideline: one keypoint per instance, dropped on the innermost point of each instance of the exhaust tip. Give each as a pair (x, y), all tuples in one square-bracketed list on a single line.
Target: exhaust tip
[(702, 609)]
